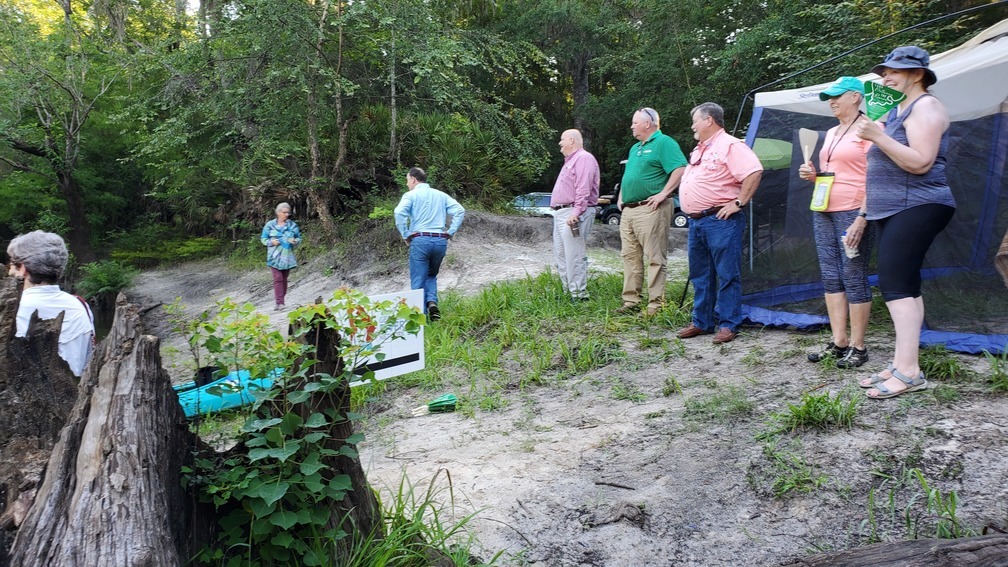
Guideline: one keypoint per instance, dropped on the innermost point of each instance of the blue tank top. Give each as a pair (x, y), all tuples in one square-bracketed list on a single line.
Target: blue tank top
[(891, 189)]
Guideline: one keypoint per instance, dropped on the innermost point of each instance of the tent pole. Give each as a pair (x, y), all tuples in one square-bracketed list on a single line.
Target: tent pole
[(856, 49)]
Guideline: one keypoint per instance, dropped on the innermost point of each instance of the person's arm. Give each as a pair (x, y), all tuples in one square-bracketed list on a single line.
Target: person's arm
[(585, 175), (295, 238), (924, 129), (457, 213), (749, 185), (402, 213), (265, 237), (670, 186)]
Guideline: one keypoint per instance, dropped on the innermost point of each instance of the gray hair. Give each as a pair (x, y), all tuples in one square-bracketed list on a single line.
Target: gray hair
[(283, 206), (711, 110), (651, 114), (43, 254)]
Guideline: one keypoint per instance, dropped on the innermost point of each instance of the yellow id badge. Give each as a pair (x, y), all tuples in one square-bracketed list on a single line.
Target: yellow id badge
[(820, 195)]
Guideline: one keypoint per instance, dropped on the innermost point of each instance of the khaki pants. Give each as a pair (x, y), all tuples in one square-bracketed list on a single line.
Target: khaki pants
[(644, 238), (570, 251)]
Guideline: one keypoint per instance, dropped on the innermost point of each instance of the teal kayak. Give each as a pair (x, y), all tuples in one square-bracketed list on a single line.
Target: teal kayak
[(232, 391)]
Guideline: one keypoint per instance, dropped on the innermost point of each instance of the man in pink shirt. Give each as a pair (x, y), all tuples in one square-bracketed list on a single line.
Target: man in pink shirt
[(718, 183), (574, 202)]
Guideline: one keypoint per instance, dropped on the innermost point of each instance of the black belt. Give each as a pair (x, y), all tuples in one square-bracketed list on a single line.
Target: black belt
[(434, 234), (558, 207), (632, 205), (705, 212)]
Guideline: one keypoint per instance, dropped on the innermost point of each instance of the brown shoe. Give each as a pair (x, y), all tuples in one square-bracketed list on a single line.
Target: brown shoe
[(627, 308), (652, 309), (690, 331), (724, 335)]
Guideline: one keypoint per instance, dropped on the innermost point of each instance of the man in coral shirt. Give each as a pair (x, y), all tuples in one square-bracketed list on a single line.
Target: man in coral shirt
[(718, 183)]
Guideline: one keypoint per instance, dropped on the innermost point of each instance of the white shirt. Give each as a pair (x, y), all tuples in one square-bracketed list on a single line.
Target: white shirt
[(76, 339)]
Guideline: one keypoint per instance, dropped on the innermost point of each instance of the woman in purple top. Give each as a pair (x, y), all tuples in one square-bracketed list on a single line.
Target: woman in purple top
[(909, 199)]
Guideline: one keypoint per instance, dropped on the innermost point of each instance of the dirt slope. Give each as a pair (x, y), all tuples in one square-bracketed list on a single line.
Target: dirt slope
[(570, 476)]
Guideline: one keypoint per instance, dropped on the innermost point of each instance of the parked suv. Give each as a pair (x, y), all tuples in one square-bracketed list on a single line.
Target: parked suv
[(535, 204)]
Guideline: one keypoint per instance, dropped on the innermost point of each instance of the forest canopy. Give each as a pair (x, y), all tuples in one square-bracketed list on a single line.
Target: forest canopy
[(160, 119)]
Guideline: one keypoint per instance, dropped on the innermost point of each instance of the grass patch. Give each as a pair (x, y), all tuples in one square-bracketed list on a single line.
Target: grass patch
[(816, 411), (937, 363), (787, 471), (628, 392), (528, 327), (722, 406), (998, 371)]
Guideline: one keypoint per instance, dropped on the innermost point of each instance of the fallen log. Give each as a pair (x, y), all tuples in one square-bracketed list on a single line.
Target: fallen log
[(112, 494), (982, 551)]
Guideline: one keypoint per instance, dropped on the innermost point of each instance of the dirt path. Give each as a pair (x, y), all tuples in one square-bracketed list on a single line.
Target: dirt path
[(568, 475)]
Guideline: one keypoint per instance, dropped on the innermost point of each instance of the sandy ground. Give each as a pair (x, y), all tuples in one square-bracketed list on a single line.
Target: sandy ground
[(567, 475)]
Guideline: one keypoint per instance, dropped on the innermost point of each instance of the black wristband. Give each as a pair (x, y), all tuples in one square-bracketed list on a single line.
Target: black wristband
[(863, 215)]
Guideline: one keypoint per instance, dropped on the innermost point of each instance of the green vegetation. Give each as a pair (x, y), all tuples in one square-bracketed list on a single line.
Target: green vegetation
[(998, 371), (816, 411), (102, 280), (788, 471), (914, 506), (277, 499), (937, 363), (719, 405)]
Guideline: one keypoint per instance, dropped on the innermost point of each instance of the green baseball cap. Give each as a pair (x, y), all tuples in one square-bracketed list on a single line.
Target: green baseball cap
[(842, 85)]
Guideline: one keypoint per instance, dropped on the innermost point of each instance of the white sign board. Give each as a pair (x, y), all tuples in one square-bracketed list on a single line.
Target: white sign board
[(402, 355)]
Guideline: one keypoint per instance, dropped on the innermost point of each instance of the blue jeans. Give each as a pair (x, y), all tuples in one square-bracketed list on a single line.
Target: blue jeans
[(425, 255), (715, 265)]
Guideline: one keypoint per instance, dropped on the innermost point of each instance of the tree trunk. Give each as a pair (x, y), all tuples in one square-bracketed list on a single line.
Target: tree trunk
[(580, 67), (983, 551), (358, 513), (315, 182), (112, 494), (79, 239), (37, 391)]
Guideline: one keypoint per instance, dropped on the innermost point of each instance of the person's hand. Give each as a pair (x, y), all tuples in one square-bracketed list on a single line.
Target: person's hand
[(807, 171), (291, 240), (855, 231), (868, 130), (274, 242), (728, 210), (654, 201), (573, 221)]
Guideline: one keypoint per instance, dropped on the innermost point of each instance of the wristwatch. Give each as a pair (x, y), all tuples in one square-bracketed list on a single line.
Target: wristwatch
[(862, 214), (739, 204)]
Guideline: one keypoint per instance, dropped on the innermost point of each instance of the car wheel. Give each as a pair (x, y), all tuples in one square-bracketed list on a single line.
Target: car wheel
[(680, 220), (612, 219)]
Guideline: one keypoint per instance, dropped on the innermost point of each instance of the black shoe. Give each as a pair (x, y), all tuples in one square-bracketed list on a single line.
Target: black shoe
[(831, 351), (432, 311), (855, 357)]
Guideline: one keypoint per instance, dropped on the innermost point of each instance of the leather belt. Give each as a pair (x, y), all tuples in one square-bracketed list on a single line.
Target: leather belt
[(558, 207), (705, 212), (434, 234), (632, 205)]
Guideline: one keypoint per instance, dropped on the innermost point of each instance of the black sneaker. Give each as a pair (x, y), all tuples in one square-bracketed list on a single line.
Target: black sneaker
[(831, 351), (855, 357), (432, 311)]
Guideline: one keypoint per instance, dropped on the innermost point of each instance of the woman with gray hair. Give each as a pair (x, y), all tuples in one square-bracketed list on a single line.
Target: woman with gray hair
[(280, 236), (39, 259), (842, 235)]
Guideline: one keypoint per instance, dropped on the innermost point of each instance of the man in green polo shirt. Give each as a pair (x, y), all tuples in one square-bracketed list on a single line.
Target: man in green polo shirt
[(653, 170)]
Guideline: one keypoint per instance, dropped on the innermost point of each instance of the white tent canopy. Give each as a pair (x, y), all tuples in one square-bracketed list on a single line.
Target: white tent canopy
[(982, 60)]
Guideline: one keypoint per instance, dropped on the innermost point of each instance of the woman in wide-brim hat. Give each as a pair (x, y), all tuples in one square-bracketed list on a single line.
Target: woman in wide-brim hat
[(909, 200)]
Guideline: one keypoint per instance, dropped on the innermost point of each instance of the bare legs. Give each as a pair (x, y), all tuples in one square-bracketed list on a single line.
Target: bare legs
[(837, 307)]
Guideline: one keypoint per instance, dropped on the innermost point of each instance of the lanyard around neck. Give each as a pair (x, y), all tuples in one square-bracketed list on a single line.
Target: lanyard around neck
[(833, 147)]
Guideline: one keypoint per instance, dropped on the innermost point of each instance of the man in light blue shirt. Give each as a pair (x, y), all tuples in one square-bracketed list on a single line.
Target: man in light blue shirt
[(420, 217)]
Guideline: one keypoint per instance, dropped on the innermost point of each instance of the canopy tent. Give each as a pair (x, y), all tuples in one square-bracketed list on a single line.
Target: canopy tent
[(967, 303)]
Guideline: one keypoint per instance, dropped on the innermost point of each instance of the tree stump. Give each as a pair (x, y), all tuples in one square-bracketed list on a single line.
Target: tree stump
[(37, 390), (358, 513), (983, 551), (112, 494)]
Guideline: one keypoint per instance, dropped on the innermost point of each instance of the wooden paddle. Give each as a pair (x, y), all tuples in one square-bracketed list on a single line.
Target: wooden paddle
[(808, 140)]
